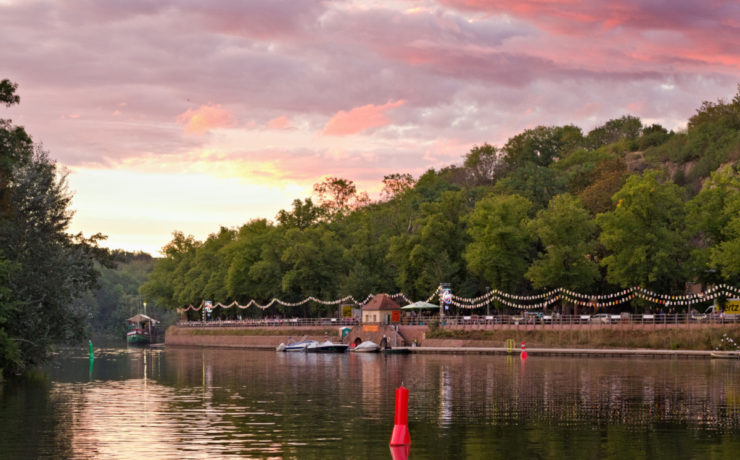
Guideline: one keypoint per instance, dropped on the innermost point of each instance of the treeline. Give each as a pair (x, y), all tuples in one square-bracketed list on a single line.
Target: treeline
[(623, 205), (115, 297), (43, 269)]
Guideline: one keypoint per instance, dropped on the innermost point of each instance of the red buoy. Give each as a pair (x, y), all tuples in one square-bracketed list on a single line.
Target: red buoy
[(400, 435), (524, 354)]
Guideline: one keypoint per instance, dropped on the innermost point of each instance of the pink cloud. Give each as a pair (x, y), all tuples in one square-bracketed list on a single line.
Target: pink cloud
[(205, 118), (360, 119), (279, 123)]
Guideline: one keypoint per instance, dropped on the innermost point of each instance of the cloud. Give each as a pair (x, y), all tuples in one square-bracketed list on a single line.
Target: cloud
[(205, 118), (279, 123), (360, 119)]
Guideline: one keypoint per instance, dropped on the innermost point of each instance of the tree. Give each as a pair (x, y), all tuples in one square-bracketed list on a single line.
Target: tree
[(536, 183), (304, 215), (43, 269), (339, 196), (568, 235), (395, 185), (542, 145), (607, 178), (708, 219), (482, 163), (624, 128), (432, 254), (644, 234), (255, 269), (502, 243), (167, 284), (50, 268), (313, 261)]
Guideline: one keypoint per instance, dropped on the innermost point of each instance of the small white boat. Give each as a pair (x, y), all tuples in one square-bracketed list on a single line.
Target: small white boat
[(726, 354), (327, 347), (301, 346), (366, 347)]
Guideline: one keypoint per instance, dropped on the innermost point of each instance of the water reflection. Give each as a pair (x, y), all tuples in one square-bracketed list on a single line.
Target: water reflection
[(200, 403)]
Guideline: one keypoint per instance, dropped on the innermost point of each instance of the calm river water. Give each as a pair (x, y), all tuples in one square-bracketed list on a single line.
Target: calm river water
[(218, 403)]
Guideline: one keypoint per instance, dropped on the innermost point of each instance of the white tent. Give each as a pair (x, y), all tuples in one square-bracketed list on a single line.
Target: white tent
[(420, 306)]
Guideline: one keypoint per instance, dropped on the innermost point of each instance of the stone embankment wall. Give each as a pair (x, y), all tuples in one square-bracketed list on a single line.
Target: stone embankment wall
[(274, 336)]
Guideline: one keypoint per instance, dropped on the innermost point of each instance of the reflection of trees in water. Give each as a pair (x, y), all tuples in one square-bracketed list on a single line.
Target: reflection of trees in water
[(35, 421), (699, 394)]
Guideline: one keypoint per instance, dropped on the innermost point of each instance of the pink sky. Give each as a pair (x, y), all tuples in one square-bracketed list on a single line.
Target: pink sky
[(189, 115)]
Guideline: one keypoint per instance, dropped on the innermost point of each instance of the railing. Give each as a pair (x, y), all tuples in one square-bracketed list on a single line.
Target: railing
[(491, 321), (272, 322)]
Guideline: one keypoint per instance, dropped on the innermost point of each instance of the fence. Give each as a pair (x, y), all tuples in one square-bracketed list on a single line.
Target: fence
[(492, 321)]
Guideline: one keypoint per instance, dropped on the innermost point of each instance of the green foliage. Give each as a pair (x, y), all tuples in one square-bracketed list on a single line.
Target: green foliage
[(567, 233), (431, 253), (483, 163), (469, 224), (653, 135), (536, 183), (501, 244), (644, 234), (542, 145), (304, 215), (43, 270), (613, 131), (607, 178)]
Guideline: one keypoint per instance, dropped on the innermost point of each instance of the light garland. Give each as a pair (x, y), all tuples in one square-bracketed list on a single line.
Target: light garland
[(518, 301), (347, 299)]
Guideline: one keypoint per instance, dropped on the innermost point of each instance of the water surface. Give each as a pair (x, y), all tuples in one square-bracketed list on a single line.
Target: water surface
[(221, 403)]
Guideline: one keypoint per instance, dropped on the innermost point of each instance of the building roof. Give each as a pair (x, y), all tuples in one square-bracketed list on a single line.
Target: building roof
[(382, 302)]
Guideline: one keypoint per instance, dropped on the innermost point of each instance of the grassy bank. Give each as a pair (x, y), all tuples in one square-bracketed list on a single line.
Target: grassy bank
[(694, 338)]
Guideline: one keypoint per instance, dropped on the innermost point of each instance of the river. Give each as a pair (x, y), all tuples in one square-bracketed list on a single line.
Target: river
[(226, 403)]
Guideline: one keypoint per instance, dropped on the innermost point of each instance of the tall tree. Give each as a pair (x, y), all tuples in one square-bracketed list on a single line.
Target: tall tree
[(568, 235), (644, 234), (502, 243), (339, 196), (709, 223), (43, 269)]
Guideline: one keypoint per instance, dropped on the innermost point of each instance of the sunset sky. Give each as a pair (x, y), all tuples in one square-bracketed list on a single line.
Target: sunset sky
[(189, 115)]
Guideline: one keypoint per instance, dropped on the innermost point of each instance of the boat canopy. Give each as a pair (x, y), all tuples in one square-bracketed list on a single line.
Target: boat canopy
[(139, 318)]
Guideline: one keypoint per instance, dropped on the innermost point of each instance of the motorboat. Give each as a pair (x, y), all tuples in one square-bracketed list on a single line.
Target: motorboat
[(366, 347), (301, 346), (327, 347)]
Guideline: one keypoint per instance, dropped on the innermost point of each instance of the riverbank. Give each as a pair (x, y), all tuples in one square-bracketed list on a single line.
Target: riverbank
[(607, 340)]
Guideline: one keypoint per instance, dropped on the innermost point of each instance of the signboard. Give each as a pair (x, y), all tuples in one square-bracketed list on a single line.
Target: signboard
[(346, 311), (732, 307), (395, 316), (447, 296), (370, 328)]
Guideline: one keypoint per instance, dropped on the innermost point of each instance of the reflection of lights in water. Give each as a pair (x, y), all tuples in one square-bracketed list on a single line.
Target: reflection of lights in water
[(445, 395)]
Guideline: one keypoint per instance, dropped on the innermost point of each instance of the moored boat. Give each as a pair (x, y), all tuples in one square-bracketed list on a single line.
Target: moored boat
[(142, 330), (366, 347), (301, 346), (327, 347), (725, 354)]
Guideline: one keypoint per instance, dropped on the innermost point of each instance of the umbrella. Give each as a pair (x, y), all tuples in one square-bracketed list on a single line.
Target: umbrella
[(420, 306)]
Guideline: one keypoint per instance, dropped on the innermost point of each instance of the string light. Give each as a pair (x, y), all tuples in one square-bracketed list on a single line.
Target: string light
[(528, 302)]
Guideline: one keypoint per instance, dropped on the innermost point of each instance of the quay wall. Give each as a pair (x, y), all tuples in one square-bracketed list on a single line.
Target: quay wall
[(677, 338), (272, 337)]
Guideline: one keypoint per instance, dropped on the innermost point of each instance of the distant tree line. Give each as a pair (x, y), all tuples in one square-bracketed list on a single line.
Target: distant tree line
[(622, 205)]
